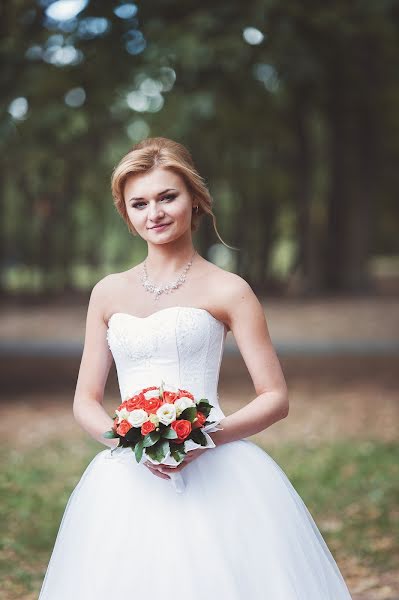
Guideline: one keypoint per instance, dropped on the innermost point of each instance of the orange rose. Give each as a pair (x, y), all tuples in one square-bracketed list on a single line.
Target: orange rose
[(135, 402), (123, 427), (170, 397), (147, 427), (152, 405), (186, 394), (201, 418), (182, 428), (154, 387)]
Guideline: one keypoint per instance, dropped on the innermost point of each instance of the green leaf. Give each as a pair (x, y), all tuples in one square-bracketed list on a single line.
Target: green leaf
[(178, 453), (133, 435), (138, 450), (198, 437), (151, 438), (204, 408), (110, 434), (189, 413), (158, 451), (169, 434)]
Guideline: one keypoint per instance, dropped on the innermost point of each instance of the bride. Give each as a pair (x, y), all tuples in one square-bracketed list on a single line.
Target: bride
[(238, 529)]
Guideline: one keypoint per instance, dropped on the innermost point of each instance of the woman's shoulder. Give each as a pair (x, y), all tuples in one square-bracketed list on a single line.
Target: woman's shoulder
[(108, 286), (228, 288), (112, 279), (231, 282)]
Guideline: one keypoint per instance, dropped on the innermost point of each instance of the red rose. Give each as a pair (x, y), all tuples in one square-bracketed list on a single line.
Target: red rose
[(182, 428), (151, 405), (185, 394), (123, 405), (201, 418), (170, 397), (154, 387), (135, 402), (147, 427), (123, 427)]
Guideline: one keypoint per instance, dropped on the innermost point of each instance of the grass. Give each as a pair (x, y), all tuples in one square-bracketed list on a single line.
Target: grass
[(350, 488)]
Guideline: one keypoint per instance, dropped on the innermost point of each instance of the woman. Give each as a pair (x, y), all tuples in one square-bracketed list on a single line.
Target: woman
[(239, 530)]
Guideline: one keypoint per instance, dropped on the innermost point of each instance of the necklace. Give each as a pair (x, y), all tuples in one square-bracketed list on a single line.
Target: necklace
[(167, 287)]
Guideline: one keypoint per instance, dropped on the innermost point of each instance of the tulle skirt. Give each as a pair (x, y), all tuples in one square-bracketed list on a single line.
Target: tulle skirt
[(238, 531)]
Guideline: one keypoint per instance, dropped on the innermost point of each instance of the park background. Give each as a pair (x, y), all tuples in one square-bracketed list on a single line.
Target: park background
[(289, 109)]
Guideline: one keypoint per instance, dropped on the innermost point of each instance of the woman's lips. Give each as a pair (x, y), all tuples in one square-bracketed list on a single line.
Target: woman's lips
[(160, 227)]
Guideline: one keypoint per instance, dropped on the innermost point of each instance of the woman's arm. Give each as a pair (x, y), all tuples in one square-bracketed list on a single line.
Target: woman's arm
[(247, 322), (94, 369)]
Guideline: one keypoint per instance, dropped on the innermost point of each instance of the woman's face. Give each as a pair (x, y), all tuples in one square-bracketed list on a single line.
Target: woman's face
[(158, 205)]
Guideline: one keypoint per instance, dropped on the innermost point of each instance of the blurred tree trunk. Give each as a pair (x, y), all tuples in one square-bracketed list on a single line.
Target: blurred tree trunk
[(352, 143), (307, 262), (338, 200), (4, 251), (361, 213)]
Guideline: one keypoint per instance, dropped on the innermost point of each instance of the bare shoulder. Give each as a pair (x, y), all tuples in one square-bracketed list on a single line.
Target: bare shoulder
[(239, 299), (103, 287), (103, 291), (235, 286), (231, 285), (231, 294)]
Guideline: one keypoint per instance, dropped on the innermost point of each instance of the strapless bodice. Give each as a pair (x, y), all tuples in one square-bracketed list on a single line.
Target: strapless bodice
[(181, 345)]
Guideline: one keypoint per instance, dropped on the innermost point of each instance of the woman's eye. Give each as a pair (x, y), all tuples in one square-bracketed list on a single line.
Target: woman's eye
[(167, 197)]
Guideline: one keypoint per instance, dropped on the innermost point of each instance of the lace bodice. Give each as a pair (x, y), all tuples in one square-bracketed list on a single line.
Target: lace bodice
[(181, 345)]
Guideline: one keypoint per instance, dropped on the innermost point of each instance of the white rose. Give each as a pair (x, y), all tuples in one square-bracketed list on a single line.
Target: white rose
[(137, 417), (183, 403), (151, 394), (166, 413), (122, 414)]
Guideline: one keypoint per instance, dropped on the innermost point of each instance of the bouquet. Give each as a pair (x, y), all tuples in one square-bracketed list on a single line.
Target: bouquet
[(163, 423)]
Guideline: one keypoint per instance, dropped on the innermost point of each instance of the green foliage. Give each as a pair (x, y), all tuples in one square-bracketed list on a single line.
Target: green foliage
[(189, 414), (138, 450), (297, 136), (169, 433), (151, 438), (198, 437), (204, 407), (177, 451), (158, 450), (110, 434)]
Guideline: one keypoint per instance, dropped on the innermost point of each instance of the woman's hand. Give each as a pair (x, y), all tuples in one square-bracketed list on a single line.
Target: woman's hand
[(163, 470)]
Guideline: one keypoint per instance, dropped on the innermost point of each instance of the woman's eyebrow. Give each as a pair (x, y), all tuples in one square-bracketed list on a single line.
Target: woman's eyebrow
[(159, 194)]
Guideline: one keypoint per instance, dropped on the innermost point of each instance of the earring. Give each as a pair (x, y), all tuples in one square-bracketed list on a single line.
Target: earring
[(196, 208)]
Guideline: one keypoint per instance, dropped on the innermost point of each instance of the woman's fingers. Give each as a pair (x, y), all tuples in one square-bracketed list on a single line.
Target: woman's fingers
[(154, 469)]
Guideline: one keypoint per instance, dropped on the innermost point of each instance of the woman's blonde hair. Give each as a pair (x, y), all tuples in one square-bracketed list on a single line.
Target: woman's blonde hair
[(162, 152)]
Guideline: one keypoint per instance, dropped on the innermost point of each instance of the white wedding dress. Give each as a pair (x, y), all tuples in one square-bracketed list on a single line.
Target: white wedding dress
[(238, 531)]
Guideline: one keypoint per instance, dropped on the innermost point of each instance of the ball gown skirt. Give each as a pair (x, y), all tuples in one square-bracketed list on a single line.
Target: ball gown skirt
[(237, 530)]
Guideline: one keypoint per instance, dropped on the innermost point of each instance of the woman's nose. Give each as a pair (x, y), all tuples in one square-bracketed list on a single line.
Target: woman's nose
[(155, 211)]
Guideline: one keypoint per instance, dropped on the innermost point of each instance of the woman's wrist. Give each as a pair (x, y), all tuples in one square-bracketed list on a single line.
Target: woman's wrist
[(111, 442), (219, 436)]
